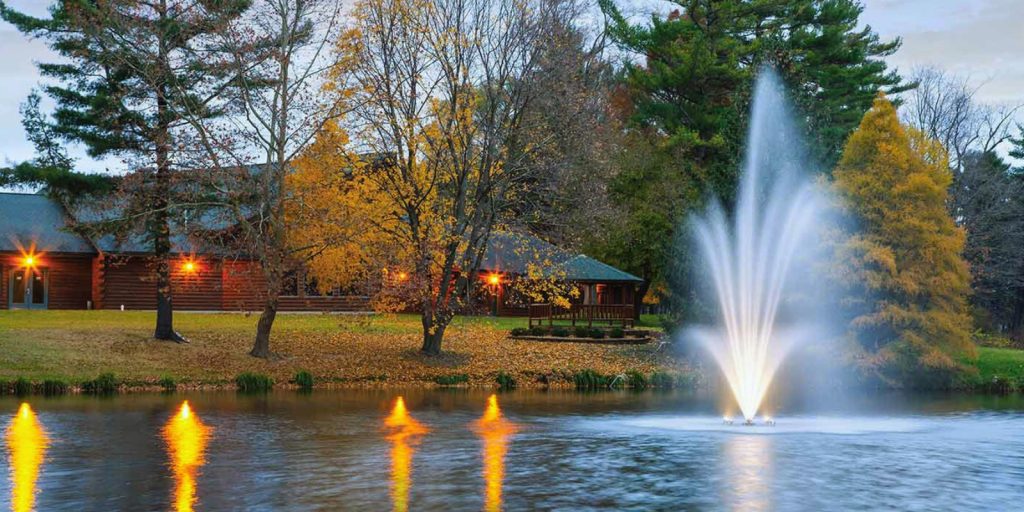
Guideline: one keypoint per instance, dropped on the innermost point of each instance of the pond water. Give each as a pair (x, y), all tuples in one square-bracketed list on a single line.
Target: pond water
[(525, 450)]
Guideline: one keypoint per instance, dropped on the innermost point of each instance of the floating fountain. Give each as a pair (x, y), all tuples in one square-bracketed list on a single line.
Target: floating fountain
[(757, 259)]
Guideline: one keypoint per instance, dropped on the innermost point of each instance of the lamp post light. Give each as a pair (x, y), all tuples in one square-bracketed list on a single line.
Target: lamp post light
[(494, 280)]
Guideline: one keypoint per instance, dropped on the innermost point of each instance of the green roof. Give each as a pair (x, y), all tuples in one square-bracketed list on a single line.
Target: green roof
[(513, 253)]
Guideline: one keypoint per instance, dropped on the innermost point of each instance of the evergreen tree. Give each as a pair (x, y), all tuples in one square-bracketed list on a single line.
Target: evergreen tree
[(134, 70), (52, 168), (689, 88), (903, 267)]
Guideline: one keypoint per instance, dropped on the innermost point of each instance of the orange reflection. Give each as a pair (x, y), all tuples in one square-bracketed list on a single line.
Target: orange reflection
[(186, 439), (494, 430), (26, 443), (403, 432)]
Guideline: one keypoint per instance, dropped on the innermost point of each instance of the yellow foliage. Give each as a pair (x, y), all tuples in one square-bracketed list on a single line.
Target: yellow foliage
[(907, 258)]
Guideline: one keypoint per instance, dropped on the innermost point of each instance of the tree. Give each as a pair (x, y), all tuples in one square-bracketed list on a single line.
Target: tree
[(687, 88), (943, 106), (279, 55), (333, 228), (52, 168), (987, 199), (132, 67), (440, 93), (903, 268)]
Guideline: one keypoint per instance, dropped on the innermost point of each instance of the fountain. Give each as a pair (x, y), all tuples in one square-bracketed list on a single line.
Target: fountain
[(758, 259)]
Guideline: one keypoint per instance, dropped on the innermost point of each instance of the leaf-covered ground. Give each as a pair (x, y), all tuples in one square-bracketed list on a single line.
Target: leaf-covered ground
[(343, 349)]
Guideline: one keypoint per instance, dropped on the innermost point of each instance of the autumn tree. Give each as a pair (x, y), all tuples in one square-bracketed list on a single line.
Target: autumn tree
[(903, 268), (132, 69), (334, 229), (440, 91)]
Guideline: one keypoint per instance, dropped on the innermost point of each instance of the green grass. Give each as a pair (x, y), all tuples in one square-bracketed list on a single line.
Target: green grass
[(1002, 364)]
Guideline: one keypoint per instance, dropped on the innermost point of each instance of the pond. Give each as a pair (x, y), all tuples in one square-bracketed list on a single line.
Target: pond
[(524, 450)]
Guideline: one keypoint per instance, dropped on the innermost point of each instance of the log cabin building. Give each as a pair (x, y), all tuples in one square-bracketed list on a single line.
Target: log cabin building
[(44, 265)]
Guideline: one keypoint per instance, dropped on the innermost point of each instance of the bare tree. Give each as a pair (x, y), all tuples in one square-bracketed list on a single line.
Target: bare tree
[(944, 106), (279, 54)]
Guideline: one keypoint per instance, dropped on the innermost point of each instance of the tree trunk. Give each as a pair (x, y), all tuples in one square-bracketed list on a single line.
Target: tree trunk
[(261, 346), (432, 338), (160, 224)]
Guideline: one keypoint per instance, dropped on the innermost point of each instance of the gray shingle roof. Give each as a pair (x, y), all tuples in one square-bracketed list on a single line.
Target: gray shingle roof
[(514, 252), (33, 219)]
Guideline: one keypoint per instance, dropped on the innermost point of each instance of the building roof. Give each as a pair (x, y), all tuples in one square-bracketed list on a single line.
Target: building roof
[(513, 253), (27, 219)]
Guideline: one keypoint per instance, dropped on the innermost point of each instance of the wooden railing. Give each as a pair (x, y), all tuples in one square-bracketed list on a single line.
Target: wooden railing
[(583, 314)]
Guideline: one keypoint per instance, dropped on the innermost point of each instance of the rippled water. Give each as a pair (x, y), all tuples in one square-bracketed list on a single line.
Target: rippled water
[(528, 450)]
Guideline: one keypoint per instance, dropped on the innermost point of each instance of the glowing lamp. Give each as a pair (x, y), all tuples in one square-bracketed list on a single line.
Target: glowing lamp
[(189, 267), (30, 261), (494, 279), (402, 276)]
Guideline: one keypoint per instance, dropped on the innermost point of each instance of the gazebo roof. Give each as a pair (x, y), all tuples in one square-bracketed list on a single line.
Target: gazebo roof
[(511, 252)]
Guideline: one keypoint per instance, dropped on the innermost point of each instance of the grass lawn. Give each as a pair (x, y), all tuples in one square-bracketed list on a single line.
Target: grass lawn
[(1006, 364), (78, 345)]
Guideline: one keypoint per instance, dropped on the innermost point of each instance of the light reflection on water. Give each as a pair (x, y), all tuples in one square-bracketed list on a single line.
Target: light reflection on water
[(186, 438), (526, 450), (748, 462), (495, 431), (26, 447), (404, 433)]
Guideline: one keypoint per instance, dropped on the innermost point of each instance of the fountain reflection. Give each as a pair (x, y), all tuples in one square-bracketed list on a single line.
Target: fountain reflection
[(186, 439), (26, 445), (495, 431), (748, 465), (403, 432)]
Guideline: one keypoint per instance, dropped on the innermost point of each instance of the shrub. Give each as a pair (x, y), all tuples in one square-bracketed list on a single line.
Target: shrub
[(249, 382), (304, 380), (520, 331), (505, 381), (169, 384), (617, 333), (589, 379), (636, 380), (105, 384), (596, 334), (538, 330), (561, 332), (581, 332), (54, 387), (22, 387), (451, 380)]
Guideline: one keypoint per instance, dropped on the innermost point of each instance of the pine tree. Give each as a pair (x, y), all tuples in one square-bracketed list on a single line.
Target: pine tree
[(688, 89), (904, 266), (133, 71)]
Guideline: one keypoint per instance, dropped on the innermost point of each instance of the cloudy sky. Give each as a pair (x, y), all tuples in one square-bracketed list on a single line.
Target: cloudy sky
[(979, 38)]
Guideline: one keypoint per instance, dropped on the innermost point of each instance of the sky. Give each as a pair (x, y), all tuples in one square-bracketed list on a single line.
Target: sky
[(982, 39)]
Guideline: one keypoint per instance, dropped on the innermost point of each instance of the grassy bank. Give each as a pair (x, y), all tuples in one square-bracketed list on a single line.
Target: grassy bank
[(1000, 369), (76, 346)]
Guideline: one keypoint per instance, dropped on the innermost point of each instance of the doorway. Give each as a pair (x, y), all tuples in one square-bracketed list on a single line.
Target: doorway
[(28, 288)]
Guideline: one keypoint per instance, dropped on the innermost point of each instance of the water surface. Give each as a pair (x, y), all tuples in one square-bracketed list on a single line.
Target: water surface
[(526, 450)]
